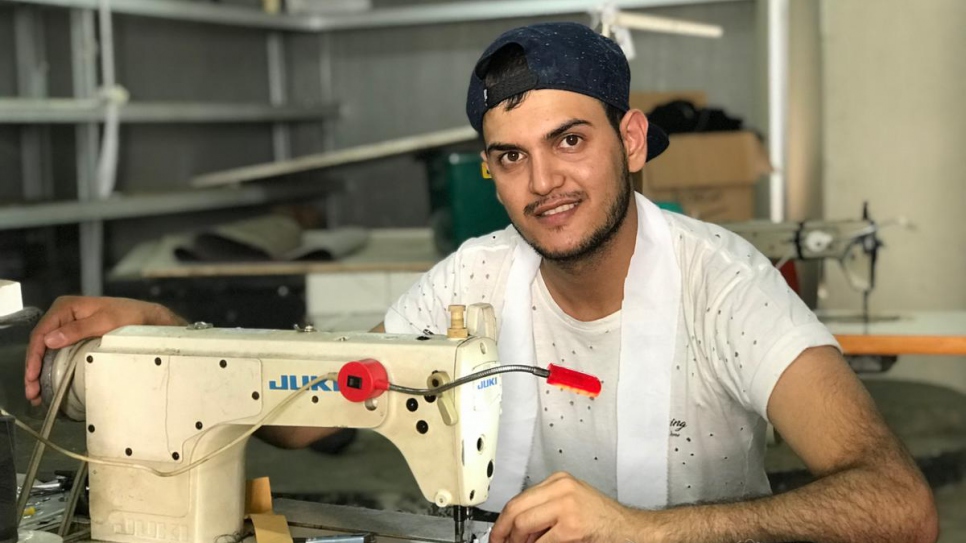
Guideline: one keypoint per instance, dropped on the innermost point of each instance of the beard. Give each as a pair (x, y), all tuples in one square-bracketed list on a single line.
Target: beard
[(596, 241)]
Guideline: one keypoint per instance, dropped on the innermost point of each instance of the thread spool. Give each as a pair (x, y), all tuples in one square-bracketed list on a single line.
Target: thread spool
[(457, 326)]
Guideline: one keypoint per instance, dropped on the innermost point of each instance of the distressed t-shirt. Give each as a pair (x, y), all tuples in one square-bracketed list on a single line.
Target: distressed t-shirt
[(740, 326)]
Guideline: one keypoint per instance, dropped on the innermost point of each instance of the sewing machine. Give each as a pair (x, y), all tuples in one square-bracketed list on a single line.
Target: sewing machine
[(166, 398), (853, 243)]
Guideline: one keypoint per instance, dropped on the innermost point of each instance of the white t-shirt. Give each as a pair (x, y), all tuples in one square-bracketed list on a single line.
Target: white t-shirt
[(740, 326)]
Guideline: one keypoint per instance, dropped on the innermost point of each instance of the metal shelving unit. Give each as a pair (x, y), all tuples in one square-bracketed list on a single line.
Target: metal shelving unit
[(72, 111), (386, 17), (126, 207), (34, 111)]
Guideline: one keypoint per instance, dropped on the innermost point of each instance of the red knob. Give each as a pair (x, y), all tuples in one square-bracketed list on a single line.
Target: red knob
[(363, 379)]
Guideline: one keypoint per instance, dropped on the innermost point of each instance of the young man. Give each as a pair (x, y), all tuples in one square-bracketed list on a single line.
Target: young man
[(697, 339)]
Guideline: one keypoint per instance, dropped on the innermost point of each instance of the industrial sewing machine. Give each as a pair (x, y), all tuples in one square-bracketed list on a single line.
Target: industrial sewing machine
[(853, 243), (177, 399)]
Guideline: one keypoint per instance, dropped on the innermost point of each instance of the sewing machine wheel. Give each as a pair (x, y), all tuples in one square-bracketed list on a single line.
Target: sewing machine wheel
[(54, 371)]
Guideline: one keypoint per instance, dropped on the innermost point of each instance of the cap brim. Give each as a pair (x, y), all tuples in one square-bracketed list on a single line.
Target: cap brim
[(657, 141)]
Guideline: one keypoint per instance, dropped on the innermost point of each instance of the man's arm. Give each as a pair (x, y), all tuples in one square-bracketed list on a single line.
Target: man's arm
[(868, 488), (299, 437)]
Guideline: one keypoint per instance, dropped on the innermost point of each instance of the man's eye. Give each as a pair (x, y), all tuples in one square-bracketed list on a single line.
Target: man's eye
[(511, 156), (572, 140)]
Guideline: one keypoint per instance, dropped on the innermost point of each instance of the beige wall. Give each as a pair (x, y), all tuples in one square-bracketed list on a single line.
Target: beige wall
[(803, 164), (894, 77)]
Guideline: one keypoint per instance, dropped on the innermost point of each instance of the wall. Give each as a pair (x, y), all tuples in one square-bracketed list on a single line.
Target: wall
[(803, 164), (894, 118)]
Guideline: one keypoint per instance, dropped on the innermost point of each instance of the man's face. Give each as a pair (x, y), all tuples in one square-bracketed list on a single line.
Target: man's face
[(560, 171)]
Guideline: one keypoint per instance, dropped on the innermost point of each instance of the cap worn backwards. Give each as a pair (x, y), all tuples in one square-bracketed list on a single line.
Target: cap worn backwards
[(563, 56)]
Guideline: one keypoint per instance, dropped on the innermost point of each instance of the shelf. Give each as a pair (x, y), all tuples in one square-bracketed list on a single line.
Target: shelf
[(27, 215), (385, 17), (67, 110)]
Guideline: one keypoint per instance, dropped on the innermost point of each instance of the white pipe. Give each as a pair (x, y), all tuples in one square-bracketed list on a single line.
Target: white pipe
[(114, 97), (777, 104), (639, 21)]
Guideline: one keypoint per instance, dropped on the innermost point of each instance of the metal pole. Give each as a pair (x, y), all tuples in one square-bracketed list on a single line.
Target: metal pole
[(35, 148), (32, 83), (84, 63), (777, 104), (278, 94), (335, 201), (80, 483)]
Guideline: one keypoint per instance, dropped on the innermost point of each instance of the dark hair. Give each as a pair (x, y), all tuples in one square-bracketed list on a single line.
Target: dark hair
[(511, 61)]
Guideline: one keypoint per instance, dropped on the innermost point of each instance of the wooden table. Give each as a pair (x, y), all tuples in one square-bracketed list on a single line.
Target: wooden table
[(912, 333)]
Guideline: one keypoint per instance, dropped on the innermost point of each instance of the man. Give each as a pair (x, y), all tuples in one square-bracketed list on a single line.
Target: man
[(696, 338)]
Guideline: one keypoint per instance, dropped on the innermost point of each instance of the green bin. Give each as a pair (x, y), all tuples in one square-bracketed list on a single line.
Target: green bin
[(462, 203)]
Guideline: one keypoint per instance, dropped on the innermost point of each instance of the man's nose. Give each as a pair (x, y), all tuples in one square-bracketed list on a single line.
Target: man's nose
[(545, 176)]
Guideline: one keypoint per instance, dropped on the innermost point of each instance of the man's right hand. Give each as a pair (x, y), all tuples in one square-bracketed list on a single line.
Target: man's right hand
[(74, 318)]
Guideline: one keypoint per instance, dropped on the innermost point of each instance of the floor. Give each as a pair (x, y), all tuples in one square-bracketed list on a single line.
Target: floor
[(931, 421)]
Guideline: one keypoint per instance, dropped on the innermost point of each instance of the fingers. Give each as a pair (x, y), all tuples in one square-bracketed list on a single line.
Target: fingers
[(554, 477), (71, 332), (69, 319), (58, 313), (534, 523), (526, 514)]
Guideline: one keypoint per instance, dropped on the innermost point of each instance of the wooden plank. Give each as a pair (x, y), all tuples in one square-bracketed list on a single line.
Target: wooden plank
[(903, 345), (901, 333), (340, 157)]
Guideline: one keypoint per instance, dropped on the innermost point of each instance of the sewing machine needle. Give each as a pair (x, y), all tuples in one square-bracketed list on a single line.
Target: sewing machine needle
[(459, 516)]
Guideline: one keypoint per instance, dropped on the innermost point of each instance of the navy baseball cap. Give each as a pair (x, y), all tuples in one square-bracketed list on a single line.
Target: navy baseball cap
[(563, 56)]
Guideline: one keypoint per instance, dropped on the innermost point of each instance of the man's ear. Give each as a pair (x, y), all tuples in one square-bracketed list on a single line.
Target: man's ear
[(485, 171), (485, 167), (634, 134)]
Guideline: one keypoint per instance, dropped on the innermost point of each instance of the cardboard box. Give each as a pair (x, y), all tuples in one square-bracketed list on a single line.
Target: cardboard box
[(711, 159), (711, 175), (714, 204)]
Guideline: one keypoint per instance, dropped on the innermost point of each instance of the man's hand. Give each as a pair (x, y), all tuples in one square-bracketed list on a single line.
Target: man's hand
[(73, 318), (561, 508)]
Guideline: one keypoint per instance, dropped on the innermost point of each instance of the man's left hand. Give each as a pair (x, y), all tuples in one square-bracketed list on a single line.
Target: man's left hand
[(562, 509)]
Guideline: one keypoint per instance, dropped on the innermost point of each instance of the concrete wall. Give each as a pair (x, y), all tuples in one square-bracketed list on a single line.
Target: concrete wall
[(894, 134)]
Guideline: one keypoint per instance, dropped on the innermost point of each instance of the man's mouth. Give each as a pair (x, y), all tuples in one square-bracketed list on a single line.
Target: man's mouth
[(554, 206), (559, 209)]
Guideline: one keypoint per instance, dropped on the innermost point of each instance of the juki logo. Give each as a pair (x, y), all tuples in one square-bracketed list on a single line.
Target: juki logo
[(486, 383), (289, 382)]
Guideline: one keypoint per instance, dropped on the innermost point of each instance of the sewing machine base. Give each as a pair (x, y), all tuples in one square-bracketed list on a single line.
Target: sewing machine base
[(310, 519)]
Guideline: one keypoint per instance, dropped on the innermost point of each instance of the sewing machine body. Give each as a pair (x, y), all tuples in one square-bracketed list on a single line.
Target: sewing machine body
[(168, 396), (852, 243)]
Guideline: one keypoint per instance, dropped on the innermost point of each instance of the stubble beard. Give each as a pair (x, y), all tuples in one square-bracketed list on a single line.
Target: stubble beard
[(588, 250)]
